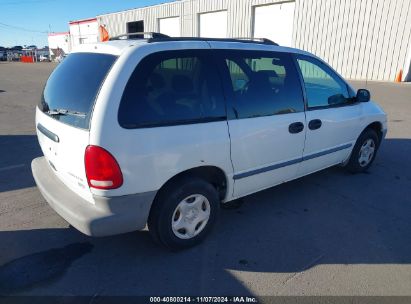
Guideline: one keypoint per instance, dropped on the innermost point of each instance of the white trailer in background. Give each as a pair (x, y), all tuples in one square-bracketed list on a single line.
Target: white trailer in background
[(59, 45), (83, 31)]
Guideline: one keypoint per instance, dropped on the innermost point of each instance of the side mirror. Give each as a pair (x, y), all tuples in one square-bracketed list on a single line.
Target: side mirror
[(363, 95)]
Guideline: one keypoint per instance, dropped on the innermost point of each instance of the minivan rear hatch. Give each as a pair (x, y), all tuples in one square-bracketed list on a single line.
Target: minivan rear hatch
[(64, 112)]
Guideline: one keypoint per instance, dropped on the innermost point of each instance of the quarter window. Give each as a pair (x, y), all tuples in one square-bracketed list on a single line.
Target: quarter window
[(171, 88), (323, 87), (264, 84)]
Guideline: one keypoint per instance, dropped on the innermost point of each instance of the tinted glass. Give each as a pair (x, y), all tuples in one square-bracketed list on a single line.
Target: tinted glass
[(264, 83), (323, 87), (169, 88), (238, 78), (74, 85)]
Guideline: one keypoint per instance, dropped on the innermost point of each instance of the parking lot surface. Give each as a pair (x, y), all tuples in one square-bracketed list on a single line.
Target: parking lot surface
[(330, 233)]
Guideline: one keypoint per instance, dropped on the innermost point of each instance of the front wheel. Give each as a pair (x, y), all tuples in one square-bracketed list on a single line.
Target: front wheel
[(364, 152), (184, 213)]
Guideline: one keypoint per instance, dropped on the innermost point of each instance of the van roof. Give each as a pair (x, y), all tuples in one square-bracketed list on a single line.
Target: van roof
[(117, 47)]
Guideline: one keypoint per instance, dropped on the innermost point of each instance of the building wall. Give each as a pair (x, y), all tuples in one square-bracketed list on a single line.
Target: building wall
[(59, 41), (116, 23), (83, 31), (239, 16), (361, 39)]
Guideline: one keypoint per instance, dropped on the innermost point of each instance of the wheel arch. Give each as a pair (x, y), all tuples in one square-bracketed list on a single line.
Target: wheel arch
[(212, 174), (377, 127)]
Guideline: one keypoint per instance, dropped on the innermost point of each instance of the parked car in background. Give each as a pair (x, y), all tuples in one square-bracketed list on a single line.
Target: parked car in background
[(3, 53), (44, 58), (161, 131), (3, 56)]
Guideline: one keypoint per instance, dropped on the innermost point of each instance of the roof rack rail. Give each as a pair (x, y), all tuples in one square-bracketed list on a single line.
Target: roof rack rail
[(242, 40), (140, 35), (262, 40)]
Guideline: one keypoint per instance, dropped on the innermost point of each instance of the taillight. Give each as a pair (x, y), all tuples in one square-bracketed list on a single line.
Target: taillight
[(102, 169)]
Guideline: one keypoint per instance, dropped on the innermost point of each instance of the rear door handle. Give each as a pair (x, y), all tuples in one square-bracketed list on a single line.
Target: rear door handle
[(315, 124), (296, 127), (48, 133)]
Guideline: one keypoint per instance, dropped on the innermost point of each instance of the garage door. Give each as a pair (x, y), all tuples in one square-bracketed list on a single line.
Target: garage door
[(275, 22), (213, 25), (170, 26)]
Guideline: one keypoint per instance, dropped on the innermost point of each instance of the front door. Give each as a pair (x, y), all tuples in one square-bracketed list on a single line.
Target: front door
[(333, 116)]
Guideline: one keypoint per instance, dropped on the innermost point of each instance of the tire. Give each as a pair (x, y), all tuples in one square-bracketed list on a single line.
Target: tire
[(361, 159), (184, 213)]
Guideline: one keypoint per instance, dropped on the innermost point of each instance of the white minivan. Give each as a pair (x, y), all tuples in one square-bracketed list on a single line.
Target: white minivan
[(161, 131)]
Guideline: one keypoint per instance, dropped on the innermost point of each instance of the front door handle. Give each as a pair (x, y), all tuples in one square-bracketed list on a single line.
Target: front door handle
[(296, 127), (315, 124)]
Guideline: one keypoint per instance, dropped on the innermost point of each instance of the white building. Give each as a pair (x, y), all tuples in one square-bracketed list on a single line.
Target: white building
[(368, 39), (59, 44), (83, 31)]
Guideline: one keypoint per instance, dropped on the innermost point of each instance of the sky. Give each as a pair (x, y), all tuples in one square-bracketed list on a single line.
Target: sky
[(27, 22)]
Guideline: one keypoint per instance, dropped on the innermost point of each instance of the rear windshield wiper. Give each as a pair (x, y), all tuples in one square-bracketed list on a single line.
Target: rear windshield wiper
[(58, 112)]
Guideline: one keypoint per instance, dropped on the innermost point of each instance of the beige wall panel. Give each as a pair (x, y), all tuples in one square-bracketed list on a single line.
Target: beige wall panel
[(359, 38)]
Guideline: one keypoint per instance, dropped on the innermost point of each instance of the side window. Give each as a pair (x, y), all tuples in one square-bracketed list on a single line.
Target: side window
[(264, 83), (323, 87), (170, 88)]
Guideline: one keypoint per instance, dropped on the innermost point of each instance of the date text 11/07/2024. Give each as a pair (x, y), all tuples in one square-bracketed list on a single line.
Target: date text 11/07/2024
[(239, 299)]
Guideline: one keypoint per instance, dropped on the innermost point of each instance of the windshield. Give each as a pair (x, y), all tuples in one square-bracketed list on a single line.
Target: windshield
[(73, 86)]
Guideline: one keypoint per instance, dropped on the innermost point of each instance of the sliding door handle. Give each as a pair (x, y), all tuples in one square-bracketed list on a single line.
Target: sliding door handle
[(296, 127)]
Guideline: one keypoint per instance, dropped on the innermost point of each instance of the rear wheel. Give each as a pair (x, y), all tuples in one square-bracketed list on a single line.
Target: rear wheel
[(184, 213), (364, 152)]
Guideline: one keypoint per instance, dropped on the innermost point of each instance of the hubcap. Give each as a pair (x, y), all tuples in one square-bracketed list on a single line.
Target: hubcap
[(190, 216), (366, 152)]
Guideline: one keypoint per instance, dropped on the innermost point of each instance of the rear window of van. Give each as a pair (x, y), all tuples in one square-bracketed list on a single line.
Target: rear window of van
[(72, 88)]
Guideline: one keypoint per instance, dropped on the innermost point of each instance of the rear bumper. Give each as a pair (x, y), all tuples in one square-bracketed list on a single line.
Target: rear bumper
[(108, 216)]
